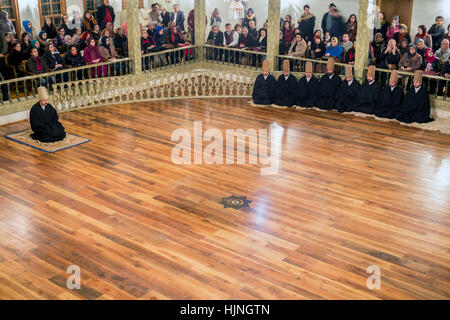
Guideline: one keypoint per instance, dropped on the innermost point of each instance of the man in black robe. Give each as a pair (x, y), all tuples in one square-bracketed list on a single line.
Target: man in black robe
[(44, 120), (348, 91), (307, 88), (368, 93), (390, 98), (264, 87), (416, 104), (286, 87), (329, 84)]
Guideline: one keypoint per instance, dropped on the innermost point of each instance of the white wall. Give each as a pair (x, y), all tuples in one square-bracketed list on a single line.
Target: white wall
[(425, 12)]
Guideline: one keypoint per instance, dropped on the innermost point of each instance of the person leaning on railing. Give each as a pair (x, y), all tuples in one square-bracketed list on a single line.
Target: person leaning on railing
[(174, 40), (230, 40), (335, 50), (215, 38), (92, 56), (298, 49), (108, 53)]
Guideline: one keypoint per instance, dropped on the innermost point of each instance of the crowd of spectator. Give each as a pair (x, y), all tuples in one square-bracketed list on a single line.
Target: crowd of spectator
[(93, 40)]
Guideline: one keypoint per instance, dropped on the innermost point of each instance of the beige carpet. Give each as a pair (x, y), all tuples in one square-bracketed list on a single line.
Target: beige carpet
[(23, 137), (441, 125)]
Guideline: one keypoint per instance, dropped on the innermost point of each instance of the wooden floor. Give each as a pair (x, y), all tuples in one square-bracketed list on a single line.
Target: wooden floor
[(351, 192)]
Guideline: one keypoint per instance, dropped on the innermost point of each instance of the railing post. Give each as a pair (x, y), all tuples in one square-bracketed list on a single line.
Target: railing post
[(273, 32), (200, 26), (365, 27), (134, 36)]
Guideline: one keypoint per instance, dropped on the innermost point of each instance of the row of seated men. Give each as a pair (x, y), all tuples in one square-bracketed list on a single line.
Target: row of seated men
[(332, 93)]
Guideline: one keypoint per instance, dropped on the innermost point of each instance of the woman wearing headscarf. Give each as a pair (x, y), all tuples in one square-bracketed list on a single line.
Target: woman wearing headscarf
[(431, 64), (335, 50), (249, 17), (88, 22), (42, 38), (28, 27), (49, 28), (422, 33), (411, 61), (108, 52), (92, 56), (40, 48)]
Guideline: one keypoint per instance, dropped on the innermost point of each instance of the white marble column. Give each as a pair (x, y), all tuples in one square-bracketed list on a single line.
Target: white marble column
[(273, 32), (200, 27), (134, 35), (365, 28)]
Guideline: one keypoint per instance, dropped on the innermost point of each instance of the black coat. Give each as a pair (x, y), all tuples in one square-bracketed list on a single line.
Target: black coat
[(215, 39), (347, 95), (50, 30), (389, 58), (328, 89), (367, 97), (264, 90), (165, 19), (306, 95), (45, 124), (285, 91), (53, 59), (389, 102), (74, 61), (307, 28), (101, 12), (415, 107)]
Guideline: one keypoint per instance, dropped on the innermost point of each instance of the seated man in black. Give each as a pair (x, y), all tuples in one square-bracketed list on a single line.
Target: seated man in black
[(368, 93), (329, 84), (390, 98), (307, 88), (416, 105), (264, 87), (44, 120), (348, 91), (286, 87)]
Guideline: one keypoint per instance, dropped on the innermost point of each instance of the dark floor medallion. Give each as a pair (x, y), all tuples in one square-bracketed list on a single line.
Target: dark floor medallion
[(235, 202)]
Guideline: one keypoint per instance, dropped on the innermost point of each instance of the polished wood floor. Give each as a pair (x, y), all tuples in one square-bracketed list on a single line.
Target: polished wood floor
[(351, 192)]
